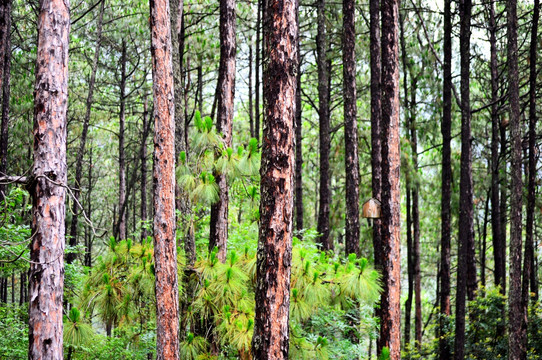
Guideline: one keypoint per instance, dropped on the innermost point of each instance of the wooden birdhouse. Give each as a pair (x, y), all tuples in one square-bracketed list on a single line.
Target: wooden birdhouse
[(371, 209)]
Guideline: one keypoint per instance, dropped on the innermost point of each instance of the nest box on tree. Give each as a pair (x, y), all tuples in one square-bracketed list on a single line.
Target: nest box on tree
[(371, 209)]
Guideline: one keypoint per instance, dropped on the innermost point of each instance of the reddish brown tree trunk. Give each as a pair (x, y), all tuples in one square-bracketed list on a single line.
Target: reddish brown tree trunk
[(49, 181), (325, 142), (165, 249), (466, 230), (390, 330), (517, 330), (226, 91), (271, 330), (350, 129), (83, 139)]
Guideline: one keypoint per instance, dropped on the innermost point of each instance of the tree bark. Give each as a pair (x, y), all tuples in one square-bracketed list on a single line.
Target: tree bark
[(5, 67), (165, 249), (323, 113), (350, 129), (445, 352), (271, 330), (517, 318), (529, 271), (122, 161), (218, 234), (49, 181), (466, 230), (390, 331), (83, 139), (410, 265)]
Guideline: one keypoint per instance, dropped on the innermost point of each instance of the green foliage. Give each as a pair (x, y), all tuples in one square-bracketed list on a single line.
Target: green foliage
[(14, 330)]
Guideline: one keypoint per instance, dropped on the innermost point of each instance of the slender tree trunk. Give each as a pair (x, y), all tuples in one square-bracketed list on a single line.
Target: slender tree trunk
[(226, 92), (5, 67), (376, 117), (22, 287), (143, 207), (49, 181), (122, 165), (517, 321), (257, 71), (350, 129), (529, 273), (498, 252), (298, 198), (165, 249), (88, 241), (182, 202), (483, 245), (323, 113), (271, 328), (390, 331), (250, 103), (83, 139), (503, 204), (465, 189), (410, 265), (415, 217)]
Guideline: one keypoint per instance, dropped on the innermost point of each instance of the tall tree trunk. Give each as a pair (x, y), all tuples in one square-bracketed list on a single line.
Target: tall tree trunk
[(323, 113), (218, 234), (48, 182), (498, 251), (415, 216), (122, 160), (390, 331), (466, 230), (165, 249), (350, 129), (83, 139), (298, 198), (89, 240), (271, 328), (5, 67), (529, 273), (517, 323), (182, 202), (410, 265), (376, 117), (143, 206), (257, 71)]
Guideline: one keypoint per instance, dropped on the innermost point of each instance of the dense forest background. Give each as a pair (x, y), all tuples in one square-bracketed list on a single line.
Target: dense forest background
[(452, 248)]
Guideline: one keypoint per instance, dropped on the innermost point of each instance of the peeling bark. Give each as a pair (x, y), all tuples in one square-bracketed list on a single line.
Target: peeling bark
[(271, 331), (165, 249), (49, 181), (390, 324)]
